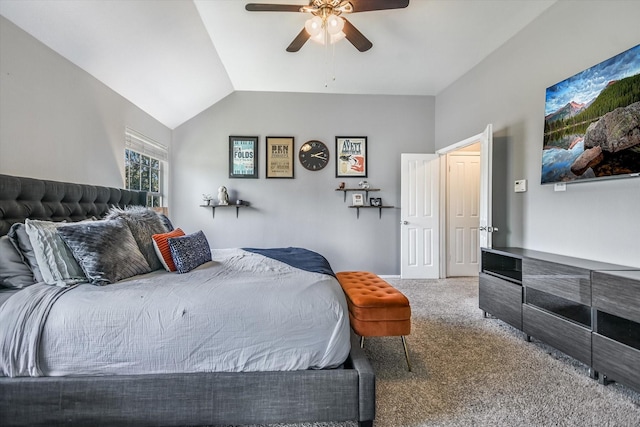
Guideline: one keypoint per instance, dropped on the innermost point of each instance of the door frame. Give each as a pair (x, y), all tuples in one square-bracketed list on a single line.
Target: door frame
[(486, 156)]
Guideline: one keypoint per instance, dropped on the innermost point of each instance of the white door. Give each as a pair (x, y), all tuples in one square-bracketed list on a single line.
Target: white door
[(420, 243), (486, 196), (463, 214)]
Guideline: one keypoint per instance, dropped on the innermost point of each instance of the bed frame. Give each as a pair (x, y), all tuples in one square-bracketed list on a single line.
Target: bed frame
[(194, 399)]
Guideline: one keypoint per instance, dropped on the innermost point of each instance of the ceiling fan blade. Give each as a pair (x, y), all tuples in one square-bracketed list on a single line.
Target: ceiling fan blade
[(261, 7), (299, 41), (370, 5), (356, 37)]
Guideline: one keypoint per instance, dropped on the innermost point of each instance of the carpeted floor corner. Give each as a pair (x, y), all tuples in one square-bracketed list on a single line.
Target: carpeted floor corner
[(473, 371)]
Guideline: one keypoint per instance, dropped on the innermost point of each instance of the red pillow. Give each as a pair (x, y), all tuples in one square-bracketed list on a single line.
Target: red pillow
[(161, 246)]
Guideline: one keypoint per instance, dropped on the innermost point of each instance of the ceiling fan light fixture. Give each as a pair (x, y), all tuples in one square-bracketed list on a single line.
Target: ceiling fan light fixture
[(314, 26), (337, 37), (335, 24)]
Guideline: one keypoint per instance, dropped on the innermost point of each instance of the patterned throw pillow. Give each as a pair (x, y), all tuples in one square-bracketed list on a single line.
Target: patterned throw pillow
[(188, 252), (161, 245), (106, 250)]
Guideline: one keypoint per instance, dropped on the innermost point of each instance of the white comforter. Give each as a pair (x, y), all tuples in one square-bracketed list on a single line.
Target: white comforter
[(241, 312)]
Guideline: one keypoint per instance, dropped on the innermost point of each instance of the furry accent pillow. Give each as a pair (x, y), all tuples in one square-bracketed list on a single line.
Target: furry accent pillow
[(106, 250), (143, 223), (189, 252)]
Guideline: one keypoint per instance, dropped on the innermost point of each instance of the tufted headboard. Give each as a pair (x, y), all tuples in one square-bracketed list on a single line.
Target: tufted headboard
[(22, 198)]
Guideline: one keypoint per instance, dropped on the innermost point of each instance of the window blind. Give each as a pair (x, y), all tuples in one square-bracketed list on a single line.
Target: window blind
[(145, 145)]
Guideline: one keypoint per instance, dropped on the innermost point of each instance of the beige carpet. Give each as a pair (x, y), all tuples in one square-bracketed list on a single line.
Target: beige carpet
[(472, 371)]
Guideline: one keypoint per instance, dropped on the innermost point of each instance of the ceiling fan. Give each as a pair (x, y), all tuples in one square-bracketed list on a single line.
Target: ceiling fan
[(326, 25)]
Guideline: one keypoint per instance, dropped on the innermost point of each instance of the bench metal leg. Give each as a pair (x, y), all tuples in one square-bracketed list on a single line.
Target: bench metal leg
[(404, 346), (406, 352)]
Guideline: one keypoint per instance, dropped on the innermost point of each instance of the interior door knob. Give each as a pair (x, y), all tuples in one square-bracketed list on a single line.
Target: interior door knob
[(404, 222)]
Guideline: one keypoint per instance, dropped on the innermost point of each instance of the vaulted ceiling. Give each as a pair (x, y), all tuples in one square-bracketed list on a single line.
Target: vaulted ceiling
[(175, 58)]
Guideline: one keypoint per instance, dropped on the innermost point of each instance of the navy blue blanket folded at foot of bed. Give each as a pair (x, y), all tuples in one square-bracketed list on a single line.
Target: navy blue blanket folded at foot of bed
[(301, 258)]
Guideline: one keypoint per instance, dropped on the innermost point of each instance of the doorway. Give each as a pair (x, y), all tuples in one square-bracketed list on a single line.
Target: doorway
[(423, 196), (484, 141)]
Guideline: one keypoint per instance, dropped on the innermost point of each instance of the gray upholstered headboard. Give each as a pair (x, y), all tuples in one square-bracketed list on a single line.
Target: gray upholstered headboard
[(22, 198)]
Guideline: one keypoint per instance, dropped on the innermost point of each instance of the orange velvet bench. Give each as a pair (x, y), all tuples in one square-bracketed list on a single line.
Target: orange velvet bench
[(376, 309)]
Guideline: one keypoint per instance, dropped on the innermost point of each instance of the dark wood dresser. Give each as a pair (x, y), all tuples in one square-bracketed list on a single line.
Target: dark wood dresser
[(587, 309)]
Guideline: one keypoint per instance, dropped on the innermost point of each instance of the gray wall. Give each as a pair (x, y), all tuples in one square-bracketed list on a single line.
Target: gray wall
[(595, 220), (57, 121), (305, 211)]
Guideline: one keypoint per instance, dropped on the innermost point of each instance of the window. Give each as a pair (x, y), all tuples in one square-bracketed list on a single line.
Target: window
[(145, 166)]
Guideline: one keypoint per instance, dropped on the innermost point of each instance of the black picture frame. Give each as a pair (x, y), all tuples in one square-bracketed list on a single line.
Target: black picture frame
[(243, 157), (351, 157), (279, 157), (375, 201)]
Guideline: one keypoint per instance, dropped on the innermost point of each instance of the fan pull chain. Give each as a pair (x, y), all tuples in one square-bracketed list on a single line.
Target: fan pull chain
[(329, 59)]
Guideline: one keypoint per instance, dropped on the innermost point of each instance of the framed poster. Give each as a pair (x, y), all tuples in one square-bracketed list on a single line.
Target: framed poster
[(279, 157), (243, 157), (351, 156)]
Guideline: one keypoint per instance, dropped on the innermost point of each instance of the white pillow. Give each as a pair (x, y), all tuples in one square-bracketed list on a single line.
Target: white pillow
[(55, 259)]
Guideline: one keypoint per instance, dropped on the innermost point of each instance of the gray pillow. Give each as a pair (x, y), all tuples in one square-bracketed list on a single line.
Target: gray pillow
[(143, 223), (56, 262), (14, 273), (20, 240), (106, 250)]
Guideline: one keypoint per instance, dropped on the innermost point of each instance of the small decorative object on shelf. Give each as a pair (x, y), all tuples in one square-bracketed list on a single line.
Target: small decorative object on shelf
[(206, 198), (375, 201), (358, 199), (364, 185), (341, 186), (223, 196)]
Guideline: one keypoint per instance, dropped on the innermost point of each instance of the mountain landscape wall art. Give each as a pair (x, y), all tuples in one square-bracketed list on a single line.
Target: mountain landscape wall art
[(592, 122)]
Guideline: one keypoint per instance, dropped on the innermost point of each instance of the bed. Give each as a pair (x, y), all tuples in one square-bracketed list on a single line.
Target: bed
[(326, 377)]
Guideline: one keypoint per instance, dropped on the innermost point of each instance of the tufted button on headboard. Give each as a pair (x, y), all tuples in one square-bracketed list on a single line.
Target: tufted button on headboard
[(22, 198)]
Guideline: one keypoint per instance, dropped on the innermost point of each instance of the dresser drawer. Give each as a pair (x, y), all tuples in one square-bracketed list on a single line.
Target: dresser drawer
[(616, 360), (566, 336), (617, 293), (501, 298), (568, 282)]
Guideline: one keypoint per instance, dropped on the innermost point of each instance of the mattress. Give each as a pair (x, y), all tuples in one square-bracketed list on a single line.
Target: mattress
[(242, 312)]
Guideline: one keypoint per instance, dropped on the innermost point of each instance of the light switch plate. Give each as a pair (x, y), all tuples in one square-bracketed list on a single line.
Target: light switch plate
[(520, 186), (560, 186)]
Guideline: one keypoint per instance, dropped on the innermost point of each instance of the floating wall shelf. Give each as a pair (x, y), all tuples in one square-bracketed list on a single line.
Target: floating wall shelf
[(371, 207), (366, 191), (213, 208)]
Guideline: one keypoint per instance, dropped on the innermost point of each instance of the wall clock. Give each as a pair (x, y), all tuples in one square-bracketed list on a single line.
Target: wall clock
[(313, 155)]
